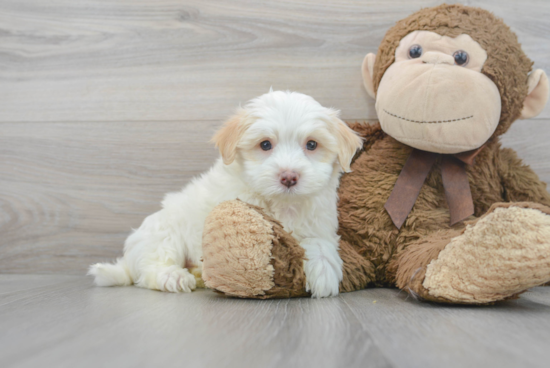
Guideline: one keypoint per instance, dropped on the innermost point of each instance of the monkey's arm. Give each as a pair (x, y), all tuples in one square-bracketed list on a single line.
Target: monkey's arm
[(519, 181), (370, 132)]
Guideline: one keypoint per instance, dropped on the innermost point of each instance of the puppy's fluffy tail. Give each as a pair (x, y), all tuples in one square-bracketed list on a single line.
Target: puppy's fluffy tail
[(108, 274)]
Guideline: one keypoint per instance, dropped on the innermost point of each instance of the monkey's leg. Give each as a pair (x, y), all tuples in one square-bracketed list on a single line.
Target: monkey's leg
[(358, 272), (499, 256), (248, 254)]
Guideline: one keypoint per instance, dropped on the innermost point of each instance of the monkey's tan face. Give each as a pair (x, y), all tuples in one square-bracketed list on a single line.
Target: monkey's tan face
[(434, 97)]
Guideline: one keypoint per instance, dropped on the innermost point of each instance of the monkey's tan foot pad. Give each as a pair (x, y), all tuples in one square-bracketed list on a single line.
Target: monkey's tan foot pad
[(248, 254), (504, 253)]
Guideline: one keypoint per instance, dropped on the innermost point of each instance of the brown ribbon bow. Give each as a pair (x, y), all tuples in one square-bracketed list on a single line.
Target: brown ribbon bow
[(415, 172)]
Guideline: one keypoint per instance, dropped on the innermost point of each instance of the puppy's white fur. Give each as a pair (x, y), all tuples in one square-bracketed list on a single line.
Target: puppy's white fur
[(156, 255)]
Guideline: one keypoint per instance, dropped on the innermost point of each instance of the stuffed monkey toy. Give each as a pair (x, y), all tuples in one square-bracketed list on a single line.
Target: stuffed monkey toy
[(434, 205)]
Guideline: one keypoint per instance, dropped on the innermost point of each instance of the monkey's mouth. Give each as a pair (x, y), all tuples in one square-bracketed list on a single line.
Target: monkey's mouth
[(427, 122)]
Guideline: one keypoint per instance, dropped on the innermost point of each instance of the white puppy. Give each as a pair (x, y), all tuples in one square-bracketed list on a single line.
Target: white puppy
[(283, 152)]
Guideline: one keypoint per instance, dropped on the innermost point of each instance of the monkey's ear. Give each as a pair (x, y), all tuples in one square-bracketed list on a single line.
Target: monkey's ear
[(537, 94), (227, 138), (367, 70)]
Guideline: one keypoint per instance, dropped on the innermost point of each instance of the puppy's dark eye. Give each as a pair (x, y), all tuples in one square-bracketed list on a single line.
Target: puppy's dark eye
[(311, 145), (415, 51), (461, 58), (265, 145)]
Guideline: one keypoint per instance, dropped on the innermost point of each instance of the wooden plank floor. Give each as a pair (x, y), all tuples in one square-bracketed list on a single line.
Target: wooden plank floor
[(64, 321), (107, 105)]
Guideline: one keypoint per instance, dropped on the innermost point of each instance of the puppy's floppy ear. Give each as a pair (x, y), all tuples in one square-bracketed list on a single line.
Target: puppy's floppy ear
[(228, 136), (348, 141)]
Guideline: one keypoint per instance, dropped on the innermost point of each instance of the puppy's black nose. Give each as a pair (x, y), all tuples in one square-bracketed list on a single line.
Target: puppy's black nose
[(289, 178)]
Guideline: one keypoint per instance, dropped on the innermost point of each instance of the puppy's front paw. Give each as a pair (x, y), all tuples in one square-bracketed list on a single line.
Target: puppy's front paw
[(176, 279), (322, 278)]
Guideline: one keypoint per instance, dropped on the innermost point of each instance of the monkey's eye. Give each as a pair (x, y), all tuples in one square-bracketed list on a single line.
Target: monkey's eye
[(415, 51), (265, 145), (461, 58), (311, 145)]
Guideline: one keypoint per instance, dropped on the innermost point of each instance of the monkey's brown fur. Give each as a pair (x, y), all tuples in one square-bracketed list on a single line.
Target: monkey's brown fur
[(374, 251), (497, 176)]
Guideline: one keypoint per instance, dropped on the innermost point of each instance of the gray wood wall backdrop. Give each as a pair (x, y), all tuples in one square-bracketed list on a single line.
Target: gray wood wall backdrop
[(105, 105)]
